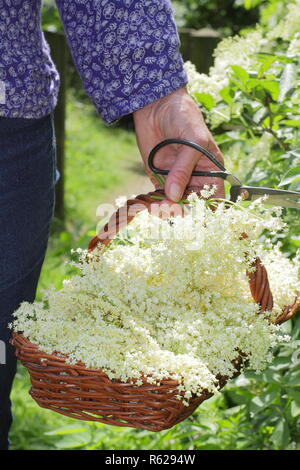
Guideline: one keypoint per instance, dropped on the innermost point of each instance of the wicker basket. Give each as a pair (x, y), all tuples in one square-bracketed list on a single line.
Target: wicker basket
[(87, 394)]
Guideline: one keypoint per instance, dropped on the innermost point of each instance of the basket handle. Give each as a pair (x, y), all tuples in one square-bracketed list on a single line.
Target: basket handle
[(258, 279), (123, 216)]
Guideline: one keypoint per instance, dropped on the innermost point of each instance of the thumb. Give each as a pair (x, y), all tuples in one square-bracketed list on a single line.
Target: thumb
[(180, 173)]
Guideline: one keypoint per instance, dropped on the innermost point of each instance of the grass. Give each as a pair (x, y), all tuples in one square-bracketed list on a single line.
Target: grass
[(101, 162)]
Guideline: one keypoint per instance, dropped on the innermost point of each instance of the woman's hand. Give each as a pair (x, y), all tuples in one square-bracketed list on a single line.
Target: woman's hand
[(177, 116)]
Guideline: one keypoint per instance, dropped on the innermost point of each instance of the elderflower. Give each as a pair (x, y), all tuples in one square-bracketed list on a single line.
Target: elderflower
[(289, 25), (152, 308), (235, 50)]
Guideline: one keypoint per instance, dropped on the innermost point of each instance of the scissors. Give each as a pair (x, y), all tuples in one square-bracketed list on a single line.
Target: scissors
[(275, 197)]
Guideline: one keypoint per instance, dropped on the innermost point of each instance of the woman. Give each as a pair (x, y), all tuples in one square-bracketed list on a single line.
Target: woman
[(127, 54)]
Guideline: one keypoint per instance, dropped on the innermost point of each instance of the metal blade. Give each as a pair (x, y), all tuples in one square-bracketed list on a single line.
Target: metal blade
[(276, 197)]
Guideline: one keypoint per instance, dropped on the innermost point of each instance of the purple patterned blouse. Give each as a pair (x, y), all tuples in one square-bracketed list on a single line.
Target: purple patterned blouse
[(126, 52)]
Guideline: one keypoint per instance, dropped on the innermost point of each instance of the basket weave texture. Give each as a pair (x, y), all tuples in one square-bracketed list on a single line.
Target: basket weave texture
[(88, 394)]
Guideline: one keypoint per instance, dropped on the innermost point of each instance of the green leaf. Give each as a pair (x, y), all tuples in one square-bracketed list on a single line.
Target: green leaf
[(73, 441), (292, 378), (72, 429), (227, 94), (238, 396), (272, 87), (290, 176), (249, 4), (295, 405), (220, 114), (65, 237), (295, 154), (262, 401), (291, 122), (266, 64), (269, 86), (256, 175), (240, 73), (272, 376), (205, 99), (280, 58), (294, 186), (281, 434), (295, 408), (280, 363), (260, 115), (209, 447)]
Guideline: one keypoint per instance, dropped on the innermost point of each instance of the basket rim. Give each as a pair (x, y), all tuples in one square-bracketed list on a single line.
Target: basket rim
[(24, 343)]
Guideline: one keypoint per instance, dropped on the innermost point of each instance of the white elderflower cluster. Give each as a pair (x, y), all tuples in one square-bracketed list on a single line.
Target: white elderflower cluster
[(202, 83), (242, 51), (289, 25), (235, 50), (177, 305)]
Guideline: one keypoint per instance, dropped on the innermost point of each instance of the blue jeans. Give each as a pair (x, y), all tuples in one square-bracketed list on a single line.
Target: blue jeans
[(27, 180)]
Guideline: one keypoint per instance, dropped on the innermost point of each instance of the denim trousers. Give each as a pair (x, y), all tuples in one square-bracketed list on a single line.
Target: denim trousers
[(27, 182)]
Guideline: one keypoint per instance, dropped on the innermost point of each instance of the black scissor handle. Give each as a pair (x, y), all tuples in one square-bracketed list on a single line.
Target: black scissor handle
[(221, 174)]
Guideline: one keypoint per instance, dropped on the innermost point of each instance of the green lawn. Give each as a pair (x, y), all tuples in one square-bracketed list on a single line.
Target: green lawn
[(101, 162)]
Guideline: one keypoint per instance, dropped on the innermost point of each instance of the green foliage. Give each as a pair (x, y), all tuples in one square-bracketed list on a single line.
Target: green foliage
[(249, 4), (263, 106), (271, 401), (228, 16), (256, 115), (50, 16), (290, 177)]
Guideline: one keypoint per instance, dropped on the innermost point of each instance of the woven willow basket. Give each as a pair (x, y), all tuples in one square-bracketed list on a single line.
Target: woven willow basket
[(88, 394)]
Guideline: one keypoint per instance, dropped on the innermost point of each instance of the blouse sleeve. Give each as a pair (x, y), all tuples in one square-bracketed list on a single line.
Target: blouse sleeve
[(126, 52)]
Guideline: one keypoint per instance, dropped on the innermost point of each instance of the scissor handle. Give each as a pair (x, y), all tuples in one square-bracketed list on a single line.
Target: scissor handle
[(220, 174)]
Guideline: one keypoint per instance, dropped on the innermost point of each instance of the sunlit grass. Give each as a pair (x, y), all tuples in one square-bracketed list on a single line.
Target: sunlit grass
[(99, 160)]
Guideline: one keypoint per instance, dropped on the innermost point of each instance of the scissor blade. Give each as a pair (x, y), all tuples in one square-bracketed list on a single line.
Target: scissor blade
[(275, 197)]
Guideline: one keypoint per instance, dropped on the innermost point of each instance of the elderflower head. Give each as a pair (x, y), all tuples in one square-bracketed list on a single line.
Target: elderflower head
[(235, 50), (202, 83), (147, 310)]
